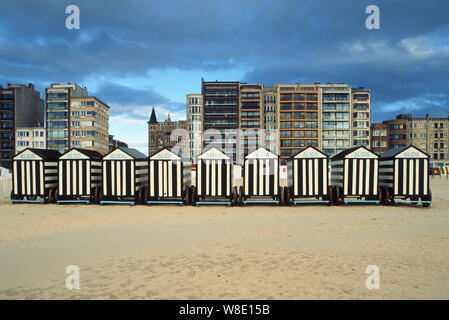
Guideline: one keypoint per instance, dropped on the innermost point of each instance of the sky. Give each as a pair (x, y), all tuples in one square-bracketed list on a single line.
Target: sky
[(136, 54)]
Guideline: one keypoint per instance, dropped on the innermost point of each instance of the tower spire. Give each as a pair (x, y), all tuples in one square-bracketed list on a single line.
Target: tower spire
[(153, 118)]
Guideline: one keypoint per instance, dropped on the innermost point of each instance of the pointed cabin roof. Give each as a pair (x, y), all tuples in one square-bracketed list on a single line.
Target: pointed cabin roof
[(309, 153), (404, 152), (261, 153), (359, 152), (213, 154), (37, 154), (122, 153), (165, 154), (77, 153)]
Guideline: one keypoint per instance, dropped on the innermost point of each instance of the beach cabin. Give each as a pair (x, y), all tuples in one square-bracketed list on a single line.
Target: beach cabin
[(35, 176), (404, 176), (260, 178), (308, 180), (214, 179), (169, 179), (354, 176), (79, 172), (125, 177)]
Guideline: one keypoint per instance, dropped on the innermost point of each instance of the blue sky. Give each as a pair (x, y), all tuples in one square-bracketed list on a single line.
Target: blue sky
[(135, 55)]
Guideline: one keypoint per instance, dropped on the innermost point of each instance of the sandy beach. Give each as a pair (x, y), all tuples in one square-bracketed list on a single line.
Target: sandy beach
[(259, 252)]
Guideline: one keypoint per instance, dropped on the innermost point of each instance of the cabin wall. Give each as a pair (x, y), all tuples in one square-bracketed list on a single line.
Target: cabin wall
[(119, 178), (34, 177), (78, 177), (214, 178), (309, 177), (164, 179), (360, 177), (406, 177), (261, 177)]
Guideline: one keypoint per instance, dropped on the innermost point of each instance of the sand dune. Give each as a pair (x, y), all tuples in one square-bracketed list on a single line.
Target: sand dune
[(171, 252)]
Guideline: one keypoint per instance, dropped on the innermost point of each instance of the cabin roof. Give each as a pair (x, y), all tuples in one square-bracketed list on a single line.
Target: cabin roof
[(45, 154), (346, 152), (397, 151), (92, 154), (307, 149), (173, 155), (213, 154), (261, 153), (136, 154)]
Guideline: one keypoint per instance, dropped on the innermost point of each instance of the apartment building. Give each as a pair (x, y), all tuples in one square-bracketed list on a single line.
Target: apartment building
[(286, 118), (298, 118), (336, 124), (221, 113), (30, 137), (194, 118), (20, 106), (380, 142), (251, 119), (397, 131), (361, 116), (58, 98), (271, 122), (160, 133), (89, 124), (430, 135)]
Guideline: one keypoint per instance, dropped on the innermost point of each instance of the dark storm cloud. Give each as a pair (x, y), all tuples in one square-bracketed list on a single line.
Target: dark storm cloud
[(135, 103), (404, 63)]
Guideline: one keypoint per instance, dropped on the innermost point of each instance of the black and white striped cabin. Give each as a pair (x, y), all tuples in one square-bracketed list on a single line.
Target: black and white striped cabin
[(308, 174), (214, 175), (405, 171), (34, 174), (125, 175), (79, 173), (261, 174), (168, 177), (355, 172)]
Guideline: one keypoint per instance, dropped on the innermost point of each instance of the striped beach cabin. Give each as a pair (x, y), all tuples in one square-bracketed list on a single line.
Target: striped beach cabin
[(125, 176), (168, 179), (213, 179), (35, 176), (404, 175), (79, 172), (354, 176), (307, 176), (260, 178)]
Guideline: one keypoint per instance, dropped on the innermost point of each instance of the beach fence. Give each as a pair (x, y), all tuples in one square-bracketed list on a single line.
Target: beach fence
[(80, 176), (125, 177), (35, 176), (260, 178), (169, 179), (308, 180), (404, 176), (354, 176), (214, 179)]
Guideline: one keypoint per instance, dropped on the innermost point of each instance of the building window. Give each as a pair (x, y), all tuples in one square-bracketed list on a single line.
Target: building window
[(6, 106)]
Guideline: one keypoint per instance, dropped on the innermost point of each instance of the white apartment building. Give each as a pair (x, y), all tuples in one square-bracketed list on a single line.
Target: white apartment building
[(361, 117), (195, 124), (336, 117), (31, 137)]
